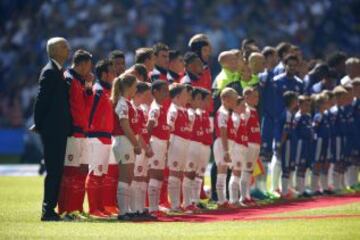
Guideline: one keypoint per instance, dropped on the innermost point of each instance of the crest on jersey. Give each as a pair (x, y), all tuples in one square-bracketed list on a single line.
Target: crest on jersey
[(139, 168), (156, 162), (127, 156), (70, 157), (249, 164), (175, 164), (191, 165)]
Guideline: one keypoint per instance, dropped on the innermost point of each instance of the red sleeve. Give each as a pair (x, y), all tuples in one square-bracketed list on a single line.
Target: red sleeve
[(79, 105)]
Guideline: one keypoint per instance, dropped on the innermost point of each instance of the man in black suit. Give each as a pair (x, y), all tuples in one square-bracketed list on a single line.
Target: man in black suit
[(53, 122)]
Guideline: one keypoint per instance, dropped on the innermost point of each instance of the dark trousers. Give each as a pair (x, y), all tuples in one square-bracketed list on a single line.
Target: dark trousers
[(54, 155)]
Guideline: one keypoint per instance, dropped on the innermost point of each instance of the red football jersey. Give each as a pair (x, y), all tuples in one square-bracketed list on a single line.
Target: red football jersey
[(142, 120), (223, 120), (80, 102), (101, 114), (253, 126), (158, 114), (207, 138), (178, 121), (125, 110), (240, 123), (196, 130)]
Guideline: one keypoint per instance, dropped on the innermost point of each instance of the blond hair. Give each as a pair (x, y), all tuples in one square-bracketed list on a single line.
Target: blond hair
[(120, 84), (228, 92)]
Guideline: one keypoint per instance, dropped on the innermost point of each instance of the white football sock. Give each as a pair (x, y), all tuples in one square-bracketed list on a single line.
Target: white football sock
[(324, 181), (300, 184), (314, 182), (220, 188), (187, 187), (284, 186), (123, 195), (291, 180), (275, 173), (174, 191), (154, 194), (234, 188), (143, 188), (244, 184), (197, 190), (136, 199), (336, 181)]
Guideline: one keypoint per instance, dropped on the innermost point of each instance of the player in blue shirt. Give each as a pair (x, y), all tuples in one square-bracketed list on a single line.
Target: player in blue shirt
[(353, 171), (304, 139), (322, 130), (287, 147), (282, 83), (267, 92), (283, 49), (338, 121)]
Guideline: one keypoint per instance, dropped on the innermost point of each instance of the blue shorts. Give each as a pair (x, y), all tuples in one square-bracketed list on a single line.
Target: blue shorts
[(303, 153), (270, 135)]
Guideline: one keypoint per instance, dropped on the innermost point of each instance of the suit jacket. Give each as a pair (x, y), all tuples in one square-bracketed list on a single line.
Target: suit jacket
[(51, 111)]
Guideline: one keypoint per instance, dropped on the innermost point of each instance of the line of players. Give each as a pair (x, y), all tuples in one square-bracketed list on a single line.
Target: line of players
[(128, 131)]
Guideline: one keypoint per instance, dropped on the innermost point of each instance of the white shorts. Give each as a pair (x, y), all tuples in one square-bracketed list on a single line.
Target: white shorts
[(178, 148), (197, 158), (239, 155), (252, 157), (159, 148), (99, 156), (123, 150), (141, 165), (77, 152), (219, 152)]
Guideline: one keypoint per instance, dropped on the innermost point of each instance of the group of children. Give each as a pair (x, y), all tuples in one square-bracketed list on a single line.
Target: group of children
[(320, 133)]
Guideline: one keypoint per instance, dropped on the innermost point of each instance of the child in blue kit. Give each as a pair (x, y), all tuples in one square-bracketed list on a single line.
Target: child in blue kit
[(287, 143), (322, 134), (304, 138), (338, 121)]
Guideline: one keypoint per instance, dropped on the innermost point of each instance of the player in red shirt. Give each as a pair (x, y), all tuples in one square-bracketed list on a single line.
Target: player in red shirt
[(178, 121), (142, 101), (159, 136), (145, 56), (125, 145), (198, 151), (176, 67), (160, 71), (100, 127), (72, 191), (118, 59), (239, 151), (225, 135), (254, 141)]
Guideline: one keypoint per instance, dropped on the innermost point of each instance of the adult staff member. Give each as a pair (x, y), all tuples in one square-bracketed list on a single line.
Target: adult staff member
[(53, 122)]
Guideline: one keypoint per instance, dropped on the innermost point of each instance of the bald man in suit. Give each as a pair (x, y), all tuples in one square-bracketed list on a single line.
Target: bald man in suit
[(53, 122)]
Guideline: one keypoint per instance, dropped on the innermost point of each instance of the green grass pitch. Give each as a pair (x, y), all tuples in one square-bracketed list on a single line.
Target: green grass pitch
[(20, 203)]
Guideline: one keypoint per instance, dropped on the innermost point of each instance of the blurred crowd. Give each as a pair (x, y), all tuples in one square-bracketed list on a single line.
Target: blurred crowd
[(318, 27)]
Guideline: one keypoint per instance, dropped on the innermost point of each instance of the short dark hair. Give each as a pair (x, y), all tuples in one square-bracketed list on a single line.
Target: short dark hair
[(142, 87), (102, 66), (268, 51), (247, 41), (157, 85), (289, 97), (142, 54), (291, 57), (174, 54), (81, 56), (176, 89), (116, 54), (160, 47), (141, 70), (204, 93), (196, 91), (282, 49), (190, 57), (336, 58)]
